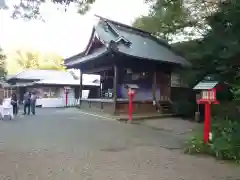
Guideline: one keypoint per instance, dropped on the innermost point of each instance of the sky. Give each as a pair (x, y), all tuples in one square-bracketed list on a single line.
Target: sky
[(63, 33)]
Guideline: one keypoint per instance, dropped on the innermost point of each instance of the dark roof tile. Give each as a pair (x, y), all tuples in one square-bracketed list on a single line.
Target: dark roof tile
[(131, 41)]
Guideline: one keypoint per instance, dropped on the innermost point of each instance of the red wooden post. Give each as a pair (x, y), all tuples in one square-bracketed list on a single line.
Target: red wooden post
[(66, 90), (207, 101), (131, 94), (207, 122), (130, 107)]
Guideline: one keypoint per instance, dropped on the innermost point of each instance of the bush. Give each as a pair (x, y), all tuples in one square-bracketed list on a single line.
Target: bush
[(196, 144), (225, 144), (226, 110)]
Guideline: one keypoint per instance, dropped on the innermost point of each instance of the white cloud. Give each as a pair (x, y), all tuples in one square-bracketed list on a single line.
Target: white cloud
[(65, 33)]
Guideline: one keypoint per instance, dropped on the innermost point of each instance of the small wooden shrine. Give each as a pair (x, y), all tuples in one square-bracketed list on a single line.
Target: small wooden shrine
[(123, 55)]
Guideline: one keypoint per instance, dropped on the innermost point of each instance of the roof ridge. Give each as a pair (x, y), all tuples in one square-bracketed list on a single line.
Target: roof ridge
[(124, 25), (161, 41)]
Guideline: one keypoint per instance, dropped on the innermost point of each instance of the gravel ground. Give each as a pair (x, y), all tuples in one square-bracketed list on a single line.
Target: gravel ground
[(63, 144)]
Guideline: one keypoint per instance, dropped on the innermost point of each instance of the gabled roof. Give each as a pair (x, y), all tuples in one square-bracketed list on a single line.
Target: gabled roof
[(129, 41), (207, 85), (37, 74)]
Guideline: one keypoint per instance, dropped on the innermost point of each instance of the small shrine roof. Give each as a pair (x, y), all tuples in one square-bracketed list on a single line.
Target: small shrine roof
[(207, 85)]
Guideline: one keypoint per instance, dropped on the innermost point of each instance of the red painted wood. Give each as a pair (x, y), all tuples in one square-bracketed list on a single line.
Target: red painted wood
[(207, 122), (131, 94)]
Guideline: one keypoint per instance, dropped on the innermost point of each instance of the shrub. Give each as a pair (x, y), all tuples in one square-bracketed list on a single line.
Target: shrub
[(225, 143), (196, 144), (226, 110)]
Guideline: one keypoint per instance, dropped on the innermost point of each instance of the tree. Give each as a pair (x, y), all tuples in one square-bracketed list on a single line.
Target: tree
[(51, 61), (171, 18), (26, 60), (21, 60), (29, 9), (219, 50), (216, 51), (2, 64)]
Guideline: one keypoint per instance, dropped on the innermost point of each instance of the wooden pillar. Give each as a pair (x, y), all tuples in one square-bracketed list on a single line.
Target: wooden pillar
[(169, 87), (154, 88), (100, 95), (154, 85), (115, 87), (80, 88)]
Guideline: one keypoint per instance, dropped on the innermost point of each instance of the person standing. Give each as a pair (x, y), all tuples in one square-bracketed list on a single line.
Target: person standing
[(33, 102), (14, 104), (26, 102)]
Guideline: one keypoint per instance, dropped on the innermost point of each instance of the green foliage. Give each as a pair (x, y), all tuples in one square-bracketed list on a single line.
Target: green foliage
[(225, 144), (227, 110), (2, 64), (168, 18), (216, 52), (29, 59), (30, 9), (196, 144), (236, 88), (226, 141)]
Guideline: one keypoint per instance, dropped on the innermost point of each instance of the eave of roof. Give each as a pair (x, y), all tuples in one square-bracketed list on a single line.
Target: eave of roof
[(70, 83), (98, 53), (185, 64)]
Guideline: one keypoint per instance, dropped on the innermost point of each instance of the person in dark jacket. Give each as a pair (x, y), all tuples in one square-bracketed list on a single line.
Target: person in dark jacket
[(26, 103), (14, 104), (33, 102)]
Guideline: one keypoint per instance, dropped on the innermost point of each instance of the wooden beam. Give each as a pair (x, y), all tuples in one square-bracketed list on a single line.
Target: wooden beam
[(97, 70), (115, 87)]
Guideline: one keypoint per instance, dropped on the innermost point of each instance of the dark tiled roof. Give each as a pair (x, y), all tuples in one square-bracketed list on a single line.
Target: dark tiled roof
[(74, 57), (133, 42)]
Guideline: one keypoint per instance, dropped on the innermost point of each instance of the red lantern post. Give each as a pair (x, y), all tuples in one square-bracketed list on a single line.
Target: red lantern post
[(208, 98), (131, 94), (66, 90)]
